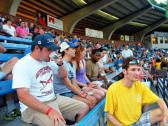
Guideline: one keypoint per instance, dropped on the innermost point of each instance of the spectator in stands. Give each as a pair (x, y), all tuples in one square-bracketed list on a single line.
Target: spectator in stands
[(21, 31), (2, 18), (41, 19), (57, 40), (145, 76), (88, 52), (81, 78), (5, 74), (104, 59), (93, 70), (125, 98), (66, 39), (33, 80), (31, 27), (158, 64), (38, 31), (8, 28), (67, 86), (75, 39), (164, 64), (1, 22), (18, 22), (97, 46), (27, 27), (113, 55), (126, 53), (118, 62)]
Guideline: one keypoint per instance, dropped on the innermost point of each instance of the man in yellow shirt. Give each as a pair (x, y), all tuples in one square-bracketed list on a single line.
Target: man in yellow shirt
[(125, 98)]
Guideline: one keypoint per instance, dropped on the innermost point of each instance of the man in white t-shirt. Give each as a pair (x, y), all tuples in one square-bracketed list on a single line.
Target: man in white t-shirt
[(33, 80), (8, 28), (126, 53)]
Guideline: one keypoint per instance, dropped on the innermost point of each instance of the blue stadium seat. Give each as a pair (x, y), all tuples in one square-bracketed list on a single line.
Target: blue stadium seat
[(6, 87)]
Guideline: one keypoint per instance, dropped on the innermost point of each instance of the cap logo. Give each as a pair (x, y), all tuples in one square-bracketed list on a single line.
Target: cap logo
[(39, 42), (50, 40)]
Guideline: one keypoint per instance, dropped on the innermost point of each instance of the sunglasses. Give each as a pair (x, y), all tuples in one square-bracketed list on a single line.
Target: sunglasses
[(133, 62)]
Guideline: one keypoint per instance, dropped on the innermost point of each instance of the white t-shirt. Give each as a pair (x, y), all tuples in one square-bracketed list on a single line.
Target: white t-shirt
[(36, 76), (10, 30), (104, 59), (127, 53)]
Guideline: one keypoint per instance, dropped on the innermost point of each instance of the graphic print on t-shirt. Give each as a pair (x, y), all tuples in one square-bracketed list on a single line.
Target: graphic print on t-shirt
[(45, 83), (45, 78)]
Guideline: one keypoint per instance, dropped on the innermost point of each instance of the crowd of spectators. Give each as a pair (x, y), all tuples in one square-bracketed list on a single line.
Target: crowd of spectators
[(85, 65)]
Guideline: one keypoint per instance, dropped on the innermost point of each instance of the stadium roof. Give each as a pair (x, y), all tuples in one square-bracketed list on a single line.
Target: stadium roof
[(131, 17)]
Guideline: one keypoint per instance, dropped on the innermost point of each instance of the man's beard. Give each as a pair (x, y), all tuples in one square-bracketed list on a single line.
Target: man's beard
[(95, 61)]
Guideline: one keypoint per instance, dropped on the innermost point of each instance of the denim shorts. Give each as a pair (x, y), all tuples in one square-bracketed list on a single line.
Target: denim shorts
[(68, 94), (144, 120)]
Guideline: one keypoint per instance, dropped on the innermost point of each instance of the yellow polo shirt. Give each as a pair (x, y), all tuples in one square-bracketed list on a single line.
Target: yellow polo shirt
[(125, 104)]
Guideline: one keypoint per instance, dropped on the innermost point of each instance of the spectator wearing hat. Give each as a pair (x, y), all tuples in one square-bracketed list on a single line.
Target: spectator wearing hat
[(67, 86), (118, 62), (33, 81)]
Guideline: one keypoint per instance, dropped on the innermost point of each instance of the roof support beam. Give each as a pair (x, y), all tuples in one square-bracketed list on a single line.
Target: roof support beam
[(9, 6), (72, 19), (109, 30), (14, 6), (148, 29)]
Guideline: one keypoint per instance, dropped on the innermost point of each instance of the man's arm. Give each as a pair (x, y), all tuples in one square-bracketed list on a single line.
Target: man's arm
[(113, 120), (62, 72), (163, 108), (32, 102), (89, 70)]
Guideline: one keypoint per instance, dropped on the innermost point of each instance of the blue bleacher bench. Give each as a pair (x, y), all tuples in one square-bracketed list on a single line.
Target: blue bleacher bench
[(15, 44), (15, 39), (96, 117), (6, 87), (7, 56)]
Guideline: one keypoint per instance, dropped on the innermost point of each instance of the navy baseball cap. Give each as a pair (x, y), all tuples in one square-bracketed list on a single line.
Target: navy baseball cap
[(50, 34), (66, 45), (45, 40)]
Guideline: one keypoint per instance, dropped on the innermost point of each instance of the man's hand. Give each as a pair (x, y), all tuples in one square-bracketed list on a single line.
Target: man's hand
[(92, 100), (92, 85), (166, 118), (56, 118)]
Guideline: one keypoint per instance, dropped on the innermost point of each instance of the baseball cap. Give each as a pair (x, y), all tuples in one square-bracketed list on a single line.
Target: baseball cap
[(66, 45), (45, 40), (50, 34)]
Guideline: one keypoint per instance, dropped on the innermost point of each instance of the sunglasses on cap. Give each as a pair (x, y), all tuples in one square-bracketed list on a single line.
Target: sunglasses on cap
[(133, 62)]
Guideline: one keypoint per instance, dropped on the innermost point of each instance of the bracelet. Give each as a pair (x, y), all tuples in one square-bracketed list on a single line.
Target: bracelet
[(48, 111), (60, 64), (82, 94)]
